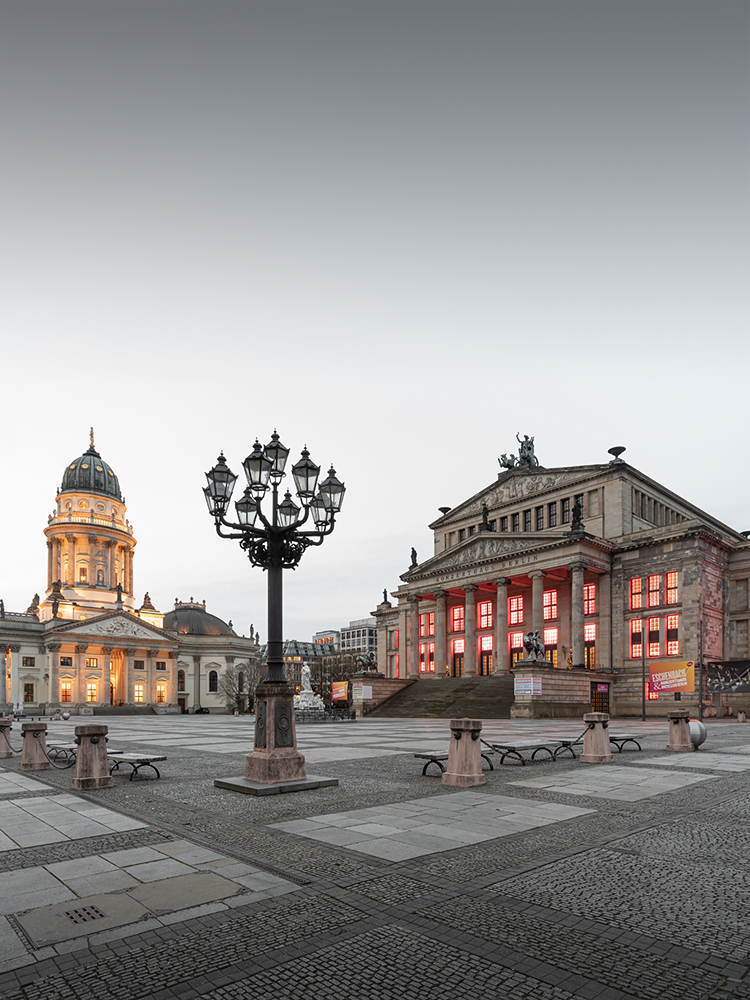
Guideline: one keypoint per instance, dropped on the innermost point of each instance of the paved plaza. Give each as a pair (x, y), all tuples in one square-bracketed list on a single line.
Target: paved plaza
[(621, 881)]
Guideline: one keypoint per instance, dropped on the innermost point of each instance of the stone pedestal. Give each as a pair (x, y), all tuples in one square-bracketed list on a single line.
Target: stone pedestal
[(679, 731), (275, 757), (596, 746), (5, 727), (464, 754), (34, 754), (91, 759)]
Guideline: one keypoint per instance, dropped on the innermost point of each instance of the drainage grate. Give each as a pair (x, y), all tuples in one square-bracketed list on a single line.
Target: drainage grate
[(85, 913)]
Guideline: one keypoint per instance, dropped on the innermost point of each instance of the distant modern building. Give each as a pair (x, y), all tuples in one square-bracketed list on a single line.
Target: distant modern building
[(295, 653), (360, 636), (613, 570), (86, 647), (330, 640)]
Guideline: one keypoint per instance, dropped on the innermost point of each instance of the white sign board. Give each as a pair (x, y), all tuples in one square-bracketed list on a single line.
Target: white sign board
[(361, 692), (527, 685)]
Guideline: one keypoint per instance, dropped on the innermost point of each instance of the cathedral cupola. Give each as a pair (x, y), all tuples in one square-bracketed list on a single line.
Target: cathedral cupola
[(91, 474)]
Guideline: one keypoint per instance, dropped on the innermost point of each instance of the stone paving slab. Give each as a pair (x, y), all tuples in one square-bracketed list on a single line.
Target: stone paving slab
[(610, 781), (708, 761)]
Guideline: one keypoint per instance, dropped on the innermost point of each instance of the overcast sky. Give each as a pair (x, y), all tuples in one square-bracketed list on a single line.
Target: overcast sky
[(398, 232)]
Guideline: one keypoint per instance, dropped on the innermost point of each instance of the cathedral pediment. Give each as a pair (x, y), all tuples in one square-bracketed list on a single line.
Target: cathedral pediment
[(119, 625)]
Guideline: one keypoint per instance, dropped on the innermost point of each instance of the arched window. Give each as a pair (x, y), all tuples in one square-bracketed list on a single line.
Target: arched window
[(213, 681), (241, 681), (180, 680)]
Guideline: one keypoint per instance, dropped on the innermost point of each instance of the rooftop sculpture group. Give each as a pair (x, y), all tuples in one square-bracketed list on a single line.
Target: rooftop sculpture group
[(526, 456)]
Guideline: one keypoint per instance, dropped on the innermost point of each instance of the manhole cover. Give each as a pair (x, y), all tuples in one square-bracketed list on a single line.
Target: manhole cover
[(85, 913)]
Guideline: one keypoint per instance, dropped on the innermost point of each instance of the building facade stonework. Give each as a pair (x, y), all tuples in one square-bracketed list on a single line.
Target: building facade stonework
[(86, 647), (613, 570)]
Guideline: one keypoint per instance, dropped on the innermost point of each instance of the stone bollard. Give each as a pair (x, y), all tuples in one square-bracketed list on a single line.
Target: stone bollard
[(679, 731), (465, 754), (91, 759), (741, 716), (5, 750), (596, 747), (57, 716), (34, 753)]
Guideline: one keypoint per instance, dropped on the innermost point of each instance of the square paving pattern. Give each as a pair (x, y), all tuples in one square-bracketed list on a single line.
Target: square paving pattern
[(608, 781), (710, 761), (404, 830)]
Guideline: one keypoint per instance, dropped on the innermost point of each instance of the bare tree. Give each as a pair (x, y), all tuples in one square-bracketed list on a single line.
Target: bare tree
[(238, 683), (337, 666)]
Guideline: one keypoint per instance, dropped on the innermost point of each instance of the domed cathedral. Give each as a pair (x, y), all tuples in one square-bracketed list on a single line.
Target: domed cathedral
[(90, 543), (88, 648)]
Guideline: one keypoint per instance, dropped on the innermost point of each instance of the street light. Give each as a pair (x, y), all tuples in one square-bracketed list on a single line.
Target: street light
[(274, 540)]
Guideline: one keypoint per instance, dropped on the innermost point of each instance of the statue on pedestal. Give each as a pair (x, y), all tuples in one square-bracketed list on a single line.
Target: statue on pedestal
[(534, 646)]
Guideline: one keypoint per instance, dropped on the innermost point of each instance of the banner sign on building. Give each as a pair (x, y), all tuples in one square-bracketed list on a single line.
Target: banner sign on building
[(340, 690), (673, 675), (527, 685), (728, 676)]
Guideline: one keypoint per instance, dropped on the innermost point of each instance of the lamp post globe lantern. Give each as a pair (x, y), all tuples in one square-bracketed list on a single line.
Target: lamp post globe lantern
[(274, 534)]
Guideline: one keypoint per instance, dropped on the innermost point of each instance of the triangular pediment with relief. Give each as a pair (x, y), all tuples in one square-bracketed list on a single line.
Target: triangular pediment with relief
[(484, 547), (519, 485), (119, 625)]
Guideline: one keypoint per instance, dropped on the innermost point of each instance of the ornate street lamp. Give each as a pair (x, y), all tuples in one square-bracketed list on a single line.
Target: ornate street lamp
[(274, 539)]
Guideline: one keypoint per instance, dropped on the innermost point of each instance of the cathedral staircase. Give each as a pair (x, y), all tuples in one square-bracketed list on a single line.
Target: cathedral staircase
[(450, 698), (123, 710)]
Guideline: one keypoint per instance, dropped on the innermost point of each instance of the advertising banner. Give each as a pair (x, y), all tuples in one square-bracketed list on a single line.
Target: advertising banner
[(340, 690), (727, 677), (674, 675)]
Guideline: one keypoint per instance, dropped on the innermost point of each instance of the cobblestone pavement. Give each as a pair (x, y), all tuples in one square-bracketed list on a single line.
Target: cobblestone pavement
[(209, 893)]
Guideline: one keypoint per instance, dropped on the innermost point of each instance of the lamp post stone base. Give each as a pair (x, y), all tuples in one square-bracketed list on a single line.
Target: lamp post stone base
[(275, 757)]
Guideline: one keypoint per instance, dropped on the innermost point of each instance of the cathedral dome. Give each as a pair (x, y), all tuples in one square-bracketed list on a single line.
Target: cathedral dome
[(91, 474), (193, 619)]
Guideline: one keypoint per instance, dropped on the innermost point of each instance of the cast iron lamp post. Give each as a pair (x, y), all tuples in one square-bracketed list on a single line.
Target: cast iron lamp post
[(274, 539)]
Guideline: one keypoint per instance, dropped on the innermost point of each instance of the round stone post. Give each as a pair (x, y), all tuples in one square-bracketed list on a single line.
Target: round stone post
[(34, 753), (91, 759), (5, 750), (465, 754), (679, 731), (596, 748)]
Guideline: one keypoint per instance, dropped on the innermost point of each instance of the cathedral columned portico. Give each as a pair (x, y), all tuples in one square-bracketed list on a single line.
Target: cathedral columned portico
[(611, 571)]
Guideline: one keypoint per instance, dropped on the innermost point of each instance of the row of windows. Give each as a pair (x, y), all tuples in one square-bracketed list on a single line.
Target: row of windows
[(550, 637), (662, 636), (533, 519), (654, 590), (91, 662), (66, 692)]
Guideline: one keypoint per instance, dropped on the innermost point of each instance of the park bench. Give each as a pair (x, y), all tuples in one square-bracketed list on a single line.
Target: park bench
[(438, 757), (616, 739), (552, 748), (136, 761)]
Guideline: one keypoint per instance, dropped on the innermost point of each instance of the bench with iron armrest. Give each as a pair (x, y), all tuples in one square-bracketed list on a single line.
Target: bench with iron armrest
[(439, 756), (57, 750), (616, 739), (552, 749), (136, 761)]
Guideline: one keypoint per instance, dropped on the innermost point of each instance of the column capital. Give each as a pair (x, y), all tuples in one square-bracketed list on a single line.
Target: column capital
[(70, 537), (171, 655), (196, 660), (152, 652), (53, 647), (229, 659), (81, 648), (502, 581), (440, 595), (107, 649), (14, 648), (470, 588), (536, 574), (573, 567)]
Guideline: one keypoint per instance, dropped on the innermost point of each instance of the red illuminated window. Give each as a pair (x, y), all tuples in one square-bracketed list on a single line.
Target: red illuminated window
[(457, 618), (636, 638), (654, 640), (485, 655), (653, 590), (636, 593), (651, 695), (549, 605), (589, 598), (589, 646), (427, 624), (485, 643), (427, 657), (671, 587), (515, 640), (549, 638), (589, 633), (515, 611), (459, 645), (673, 635), (484, 612)]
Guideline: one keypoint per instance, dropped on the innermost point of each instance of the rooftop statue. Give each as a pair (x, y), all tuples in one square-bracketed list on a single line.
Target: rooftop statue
[(526, 455)]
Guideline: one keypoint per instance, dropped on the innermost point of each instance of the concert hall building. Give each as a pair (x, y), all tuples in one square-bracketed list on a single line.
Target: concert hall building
[(616, 572)]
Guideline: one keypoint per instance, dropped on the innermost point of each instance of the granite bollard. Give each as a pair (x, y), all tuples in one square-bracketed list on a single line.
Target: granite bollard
[(680, 739), (465, 754), (34, 753), (5, 750), (596, 746), (91, 758)]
